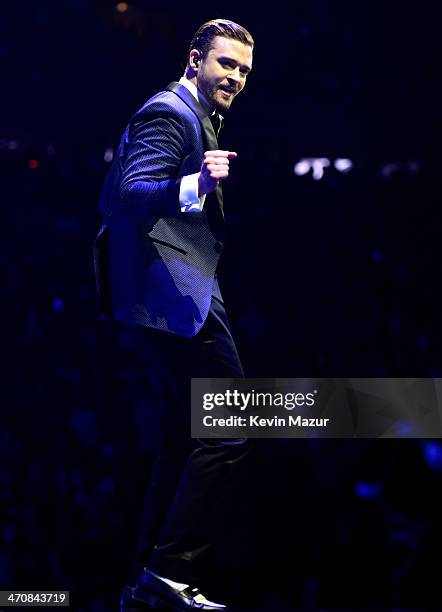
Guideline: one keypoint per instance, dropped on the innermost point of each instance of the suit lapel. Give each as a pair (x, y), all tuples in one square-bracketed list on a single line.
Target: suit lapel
[(207, 127)]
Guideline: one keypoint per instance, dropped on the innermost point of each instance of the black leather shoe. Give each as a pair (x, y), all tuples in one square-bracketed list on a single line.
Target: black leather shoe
[(158, 594)]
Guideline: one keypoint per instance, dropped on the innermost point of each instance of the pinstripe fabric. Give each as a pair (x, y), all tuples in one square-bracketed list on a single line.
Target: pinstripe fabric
[(154, 265)]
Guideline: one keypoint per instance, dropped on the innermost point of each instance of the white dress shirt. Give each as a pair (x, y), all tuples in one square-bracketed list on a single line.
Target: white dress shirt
[(189, 200)]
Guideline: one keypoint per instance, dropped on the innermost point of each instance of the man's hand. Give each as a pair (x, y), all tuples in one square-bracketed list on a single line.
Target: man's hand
[(215, 166)]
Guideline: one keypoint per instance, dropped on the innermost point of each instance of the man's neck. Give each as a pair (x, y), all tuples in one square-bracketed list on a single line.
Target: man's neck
[(191, 85)]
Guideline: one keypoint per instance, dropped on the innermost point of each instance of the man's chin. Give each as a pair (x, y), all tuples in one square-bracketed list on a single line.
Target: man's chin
[(221, 104)]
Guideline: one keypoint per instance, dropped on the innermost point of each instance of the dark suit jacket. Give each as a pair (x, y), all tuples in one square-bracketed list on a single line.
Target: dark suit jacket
[(155, 265)]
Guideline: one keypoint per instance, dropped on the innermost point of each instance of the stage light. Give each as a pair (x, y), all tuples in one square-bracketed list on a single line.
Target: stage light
[(108, 155), (413, 166), (122, 7), (387, 170), (12, 145), (33, 164), (318, 166), (433, 455), (58, 305), (343, 165), (368, 490), (302, 167)]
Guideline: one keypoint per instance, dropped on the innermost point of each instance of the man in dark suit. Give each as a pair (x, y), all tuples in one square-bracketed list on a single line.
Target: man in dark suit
[(156, 259)]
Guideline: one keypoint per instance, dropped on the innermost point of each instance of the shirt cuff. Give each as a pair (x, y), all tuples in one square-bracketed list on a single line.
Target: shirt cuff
[(189, 200)]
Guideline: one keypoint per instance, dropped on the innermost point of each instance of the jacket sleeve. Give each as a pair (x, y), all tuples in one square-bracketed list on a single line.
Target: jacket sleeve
[(153, 153)]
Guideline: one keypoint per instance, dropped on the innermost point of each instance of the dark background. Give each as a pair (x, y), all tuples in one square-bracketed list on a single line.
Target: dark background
[(331, 277)]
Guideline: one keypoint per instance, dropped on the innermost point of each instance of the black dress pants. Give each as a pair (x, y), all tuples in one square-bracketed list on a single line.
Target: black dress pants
[(191, 480)]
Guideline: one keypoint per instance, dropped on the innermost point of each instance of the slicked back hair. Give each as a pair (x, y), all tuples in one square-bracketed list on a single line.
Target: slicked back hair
[(203, 38)]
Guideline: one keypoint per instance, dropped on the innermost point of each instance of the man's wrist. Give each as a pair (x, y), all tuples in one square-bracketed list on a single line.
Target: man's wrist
[(190, 200)]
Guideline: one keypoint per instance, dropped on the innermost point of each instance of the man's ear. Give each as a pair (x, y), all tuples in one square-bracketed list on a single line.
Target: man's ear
[(194, 59)]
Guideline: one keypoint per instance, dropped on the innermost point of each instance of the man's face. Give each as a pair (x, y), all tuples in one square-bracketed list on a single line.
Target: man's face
[(223, 72)]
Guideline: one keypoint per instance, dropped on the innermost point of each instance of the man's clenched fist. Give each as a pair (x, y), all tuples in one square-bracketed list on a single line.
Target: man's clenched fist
[(215, 166)]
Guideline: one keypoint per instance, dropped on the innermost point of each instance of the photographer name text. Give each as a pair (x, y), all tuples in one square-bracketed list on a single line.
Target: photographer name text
[(256, 421)]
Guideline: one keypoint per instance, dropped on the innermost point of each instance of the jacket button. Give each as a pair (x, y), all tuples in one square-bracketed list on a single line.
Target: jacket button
[(218, 247)]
